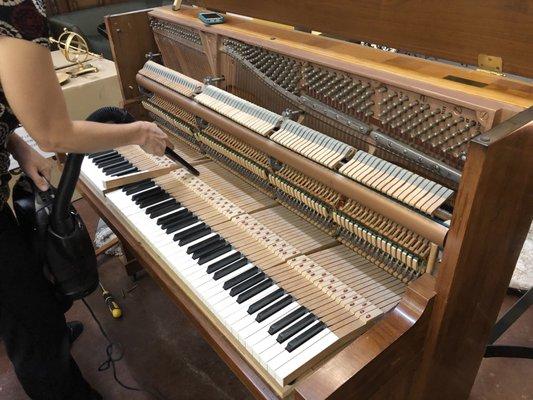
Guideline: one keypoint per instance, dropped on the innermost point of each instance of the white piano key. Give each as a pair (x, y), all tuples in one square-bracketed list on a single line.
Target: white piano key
[(305, 355)]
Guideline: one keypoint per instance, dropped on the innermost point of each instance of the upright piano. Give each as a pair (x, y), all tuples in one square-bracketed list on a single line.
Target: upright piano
[(359, 210)]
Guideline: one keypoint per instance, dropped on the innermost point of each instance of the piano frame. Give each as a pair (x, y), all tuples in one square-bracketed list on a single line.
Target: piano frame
[(432, 343)]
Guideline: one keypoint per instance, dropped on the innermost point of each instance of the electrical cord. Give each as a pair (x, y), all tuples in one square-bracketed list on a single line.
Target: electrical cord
[(111, 359)]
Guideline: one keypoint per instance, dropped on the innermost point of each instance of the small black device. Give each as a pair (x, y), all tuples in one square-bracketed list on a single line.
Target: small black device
[(211, 18), (54, 228)]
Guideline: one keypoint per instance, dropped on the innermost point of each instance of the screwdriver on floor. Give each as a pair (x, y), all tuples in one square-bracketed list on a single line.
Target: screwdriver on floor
[(111, 303)]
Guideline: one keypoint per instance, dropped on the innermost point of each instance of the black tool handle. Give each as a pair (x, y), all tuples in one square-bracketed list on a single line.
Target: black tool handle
[(175, 157)]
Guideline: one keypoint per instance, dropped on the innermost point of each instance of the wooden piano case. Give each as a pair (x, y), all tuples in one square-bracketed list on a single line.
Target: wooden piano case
[(431, 344)]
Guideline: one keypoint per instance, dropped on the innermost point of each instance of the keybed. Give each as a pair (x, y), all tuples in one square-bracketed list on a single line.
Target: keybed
[(247, 267)]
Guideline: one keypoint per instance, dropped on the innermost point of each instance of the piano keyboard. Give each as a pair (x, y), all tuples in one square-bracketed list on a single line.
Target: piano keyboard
[(396, 182), (104, 167), (314, 145), (245, 260), (173, 80), (256, 118)]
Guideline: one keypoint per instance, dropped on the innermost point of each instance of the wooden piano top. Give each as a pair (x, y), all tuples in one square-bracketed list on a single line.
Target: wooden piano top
[(396, 67)]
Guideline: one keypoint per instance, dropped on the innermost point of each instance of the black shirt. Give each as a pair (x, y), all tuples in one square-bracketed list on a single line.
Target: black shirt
[(22, 19)]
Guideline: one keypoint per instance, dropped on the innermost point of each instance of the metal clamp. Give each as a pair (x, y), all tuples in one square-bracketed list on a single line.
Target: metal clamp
[(292, 114)]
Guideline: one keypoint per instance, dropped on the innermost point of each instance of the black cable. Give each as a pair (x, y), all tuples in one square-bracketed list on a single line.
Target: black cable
[(111, 360)]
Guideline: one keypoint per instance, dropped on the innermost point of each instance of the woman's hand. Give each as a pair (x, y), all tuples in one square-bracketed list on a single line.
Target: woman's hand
[(31, 162), (153, 139)]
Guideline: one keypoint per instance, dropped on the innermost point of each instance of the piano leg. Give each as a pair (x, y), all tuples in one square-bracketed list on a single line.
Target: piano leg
[(131, 264)]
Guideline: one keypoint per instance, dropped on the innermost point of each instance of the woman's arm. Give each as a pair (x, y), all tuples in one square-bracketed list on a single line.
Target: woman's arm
[(29, 82), (32, 163)]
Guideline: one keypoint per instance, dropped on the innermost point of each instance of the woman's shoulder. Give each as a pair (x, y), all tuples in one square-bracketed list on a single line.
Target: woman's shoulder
[(24, 19)]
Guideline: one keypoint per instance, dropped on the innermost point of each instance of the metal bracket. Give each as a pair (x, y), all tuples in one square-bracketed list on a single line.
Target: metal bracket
[(150, 56), (490, 64), (503, 324), (416, 156), (296, 115), (332, 113), (209, 80)]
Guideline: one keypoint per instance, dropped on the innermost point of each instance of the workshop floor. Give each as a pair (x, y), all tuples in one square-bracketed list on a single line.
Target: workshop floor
[(164, 351)]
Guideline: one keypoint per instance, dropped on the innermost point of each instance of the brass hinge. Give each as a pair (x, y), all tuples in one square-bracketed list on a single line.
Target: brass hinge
[(490, 64)]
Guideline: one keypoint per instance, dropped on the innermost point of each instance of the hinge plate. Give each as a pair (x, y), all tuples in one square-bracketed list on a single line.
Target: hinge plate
[(491, 64)]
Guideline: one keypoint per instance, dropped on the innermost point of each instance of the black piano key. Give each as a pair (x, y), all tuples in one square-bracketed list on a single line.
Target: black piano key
[(108, 159), (285, 321), (254, 291), (295, 328), (100, 153), (194, 236), (209, 248), (265, 301), (182, 224), (304, 337), (111, 162), (241, 287), (146, 199), (114, 167), (138, 188), (183, 234), (226, 262), (170, 217), (135, 184), (125, 172), (274, 308), (107, 155), (146, 193), (160, 206), (228, 269), (176, 219), (241, 277), (127, 169), (214, 254), (103, 153), (172, 205), (154, 200), (202, 244)]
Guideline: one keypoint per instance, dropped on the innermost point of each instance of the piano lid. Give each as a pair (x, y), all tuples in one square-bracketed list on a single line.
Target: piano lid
[(453, 30)]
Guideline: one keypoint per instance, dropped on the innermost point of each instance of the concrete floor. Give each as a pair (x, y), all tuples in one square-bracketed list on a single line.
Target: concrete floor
[(164, 352)]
